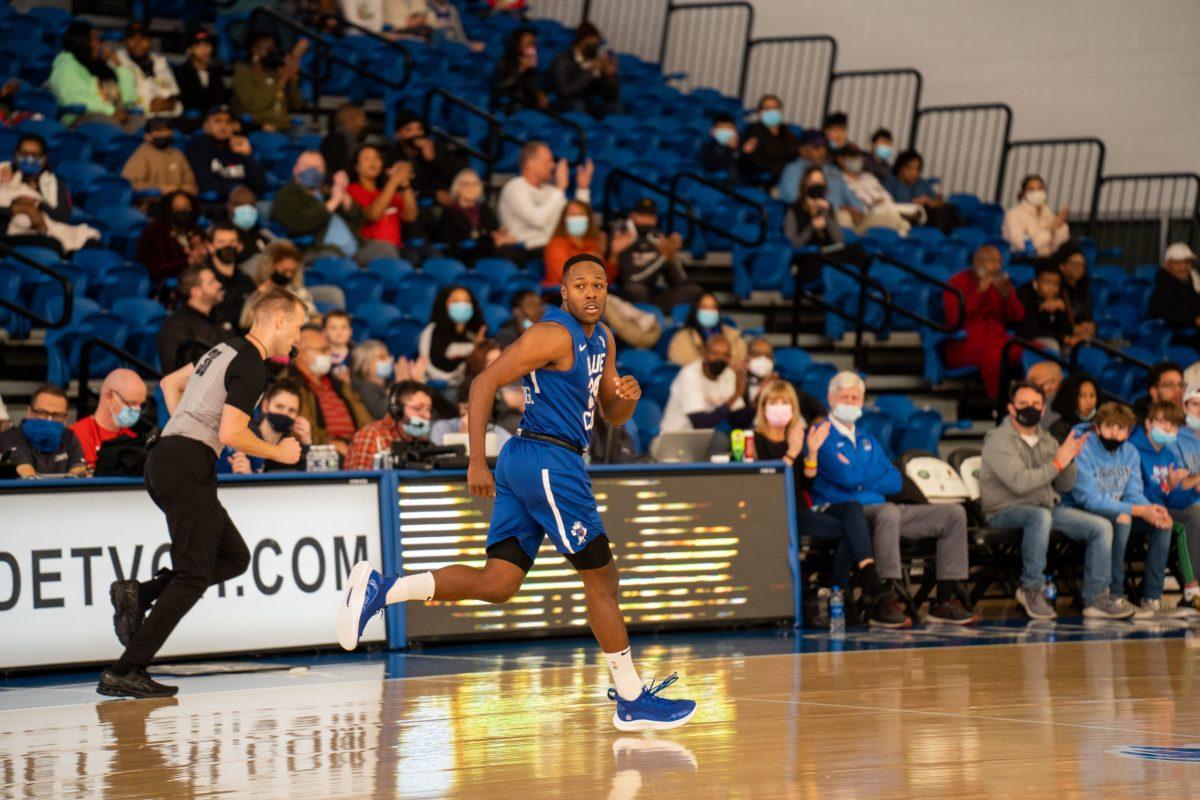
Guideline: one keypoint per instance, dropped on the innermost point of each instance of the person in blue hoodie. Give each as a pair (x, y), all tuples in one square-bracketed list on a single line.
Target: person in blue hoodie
[(1109, 484), (849, 465), (1170, 483)]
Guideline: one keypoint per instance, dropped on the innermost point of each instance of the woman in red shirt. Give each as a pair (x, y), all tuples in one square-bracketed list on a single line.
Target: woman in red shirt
[(578, 233), (387, 206), (992, 307)]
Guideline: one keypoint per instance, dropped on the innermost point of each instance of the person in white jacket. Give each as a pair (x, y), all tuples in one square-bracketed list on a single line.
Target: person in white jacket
[(532, 203), (157, 90)]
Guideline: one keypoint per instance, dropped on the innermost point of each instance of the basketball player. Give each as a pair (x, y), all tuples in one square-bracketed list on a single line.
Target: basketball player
[(210, 404), (567, 362)]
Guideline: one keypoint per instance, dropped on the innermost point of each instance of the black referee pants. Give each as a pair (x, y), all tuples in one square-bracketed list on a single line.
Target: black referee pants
[(206, 547)]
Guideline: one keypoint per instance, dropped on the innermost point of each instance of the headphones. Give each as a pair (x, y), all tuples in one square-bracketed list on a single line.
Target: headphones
[(395, 405)]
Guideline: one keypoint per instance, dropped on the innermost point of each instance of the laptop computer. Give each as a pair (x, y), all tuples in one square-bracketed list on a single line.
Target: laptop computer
[(676, 447), (491, 446)]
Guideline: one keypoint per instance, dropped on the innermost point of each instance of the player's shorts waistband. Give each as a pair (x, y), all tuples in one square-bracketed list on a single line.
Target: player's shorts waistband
[(542, 437)]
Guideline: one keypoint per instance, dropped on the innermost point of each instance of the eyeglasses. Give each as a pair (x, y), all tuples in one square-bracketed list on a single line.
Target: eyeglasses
[(121, 397), (41, 413)]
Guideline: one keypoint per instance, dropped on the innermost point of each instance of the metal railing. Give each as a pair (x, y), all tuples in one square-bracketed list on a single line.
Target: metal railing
[(877, 98), (858, 317), (1141, 213), (964, 145), (798, 69), (406, 57), (85, 400), (631, 26), (1071, 168), (708, 41), (676, 206), (68, 306), (757, 209)]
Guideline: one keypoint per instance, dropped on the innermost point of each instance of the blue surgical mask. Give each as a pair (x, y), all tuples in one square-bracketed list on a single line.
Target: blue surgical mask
[(128, 416), (461, 312), (771, 117), (1088, 416), (846, 413), (310, 178), (577, 225), (384, 369), (724, 135), (708, 318), (1162, 438), (884, 152), (417, 427), (30, 166), (244, 217), (526, 323), (1193, 422), (44, 435)]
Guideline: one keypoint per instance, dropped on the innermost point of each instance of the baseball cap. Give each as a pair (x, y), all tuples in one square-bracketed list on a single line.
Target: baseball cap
[(645, 206), (814, 138), (199, 35), (1192, 392), (135, 28), (218, 109), (1179, 252)]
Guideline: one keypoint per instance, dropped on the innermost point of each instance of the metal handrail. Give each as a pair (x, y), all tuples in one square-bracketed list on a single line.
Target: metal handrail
[(68, 291), (609, 210), (83, 400), (1112, 351), (725, 189), (883, 299), (405, 55)]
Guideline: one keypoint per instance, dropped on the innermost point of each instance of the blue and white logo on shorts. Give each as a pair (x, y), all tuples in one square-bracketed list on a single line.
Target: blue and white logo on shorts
[(579, 532)]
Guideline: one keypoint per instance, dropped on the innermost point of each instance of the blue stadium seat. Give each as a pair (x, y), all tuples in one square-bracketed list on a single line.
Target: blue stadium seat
[(648, 418), (79, 174), (898, 407), (973, 238), (373, 318), (444, 270), (922, 432), (496, 316), (504, 293), (402, 335), (881, 426), (390, 270), (106, 193), (362, 288), (816, 380), (1181, 354), (128, 281), (37, 101), (478, 285), (659, 387), (639, 363), (497, 270), (43, 255), (53, 20), (335, 269), (791, 362), (680, 312), (96, 260), (1125, 315), (144, 318), (930, 238), (654, 311), (1113, 274), (417, 291)]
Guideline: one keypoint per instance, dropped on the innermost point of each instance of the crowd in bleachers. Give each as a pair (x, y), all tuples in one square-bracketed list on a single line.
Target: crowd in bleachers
[(170, 192)]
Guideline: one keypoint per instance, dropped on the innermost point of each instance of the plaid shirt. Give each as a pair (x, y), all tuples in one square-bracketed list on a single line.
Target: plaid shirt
[(375, 438)]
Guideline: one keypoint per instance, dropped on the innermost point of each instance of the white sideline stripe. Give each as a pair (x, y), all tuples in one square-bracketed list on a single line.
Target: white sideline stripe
[(562, 534)]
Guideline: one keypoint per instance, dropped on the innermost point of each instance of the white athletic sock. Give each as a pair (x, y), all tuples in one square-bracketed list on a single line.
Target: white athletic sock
[(624, 674), (1189, 592), (411, 587)]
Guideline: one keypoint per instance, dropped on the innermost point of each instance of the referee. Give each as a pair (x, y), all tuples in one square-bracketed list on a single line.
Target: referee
[(210, 404)]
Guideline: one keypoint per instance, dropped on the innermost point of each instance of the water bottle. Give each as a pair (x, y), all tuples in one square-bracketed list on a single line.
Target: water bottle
[(737, 444), (1050, 590), (748, 451), (837, 614)]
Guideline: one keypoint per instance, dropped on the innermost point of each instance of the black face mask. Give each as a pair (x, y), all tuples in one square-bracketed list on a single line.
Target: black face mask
[(644, 230), (1028, 416), (816, 191), (227, 255), (589, 51), (272, 60), (280, 279), (280, 423), (714, 367), (1111, 445), (162, 142), (182, 219)]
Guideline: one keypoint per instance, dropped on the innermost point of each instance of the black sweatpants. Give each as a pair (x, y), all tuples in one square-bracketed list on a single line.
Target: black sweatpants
[(206, 547)]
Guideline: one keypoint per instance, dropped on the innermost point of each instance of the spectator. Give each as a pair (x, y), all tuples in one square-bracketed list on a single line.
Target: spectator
[(333, 409), (224, 252), (410, 411), (30, 171), (1189, 435), (577, 233), (171, 241), (768, 145), (339, 333), (1169, 483), (1024, 471), (267, 86), (1047, 320), (1074, 404), (704, 319), (1109, 484), (305, 208), (194, 327), (280, 266), (199, 77), (458, 424), (991, 308), (222, 160), (1047, 376), (906, 185), (469, 225), (157, 93), (386, 208), (650, 268), (27, 220), (1175, 299), (1030, 226), (89, 74), (584, 79), (530, 204), (5, 421), (878, 161), (433, 165), (705, 391), (814, 152), (373, 371), (456, 329), (122, 397), (447, 25), (810, 221), (340, 144), (1164, 384), (527, 309), (851, 466), (779, 431), (835, 129), (516, 83), (720, 152), (881, 210), (157, 164), (279, 417), (241, 210), (1076, 289), (42, 445)]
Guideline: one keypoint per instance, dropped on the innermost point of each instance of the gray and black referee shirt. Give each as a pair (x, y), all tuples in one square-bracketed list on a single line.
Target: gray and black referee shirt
[(232, 373)]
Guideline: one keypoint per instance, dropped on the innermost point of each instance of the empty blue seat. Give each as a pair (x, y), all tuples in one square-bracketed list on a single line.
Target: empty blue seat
[(648, 418), (496, 317), (335, 269), (881, 426), (922, 432), (390, 270), (375, 317), (444, 270), (416, 292), (639, 363), (497, 270), (128, 281), (791, 363), (362, 288), (1182, 355), (478, 285), (79, 174), (898, 407), (816, 380), (402, 336)]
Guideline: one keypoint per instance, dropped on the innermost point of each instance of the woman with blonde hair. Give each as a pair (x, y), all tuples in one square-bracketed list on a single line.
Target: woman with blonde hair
[(780, 434)]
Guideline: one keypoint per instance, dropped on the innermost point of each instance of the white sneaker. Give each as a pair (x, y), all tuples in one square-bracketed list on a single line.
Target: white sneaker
[(1108, 607), (1160, 608)]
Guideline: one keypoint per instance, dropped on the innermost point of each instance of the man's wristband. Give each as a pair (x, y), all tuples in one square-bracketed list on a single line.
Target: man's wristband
[(810, 464)]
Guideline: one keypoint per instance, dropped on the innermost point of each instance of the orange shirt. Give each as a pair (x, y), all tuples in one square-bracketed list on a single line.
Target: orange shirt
[(561, 248), (91, 436)]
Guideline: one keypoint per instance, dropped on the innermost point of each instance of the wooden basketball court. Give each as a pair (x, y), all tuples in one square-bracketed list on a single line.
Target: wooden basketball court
[(1065, 720)]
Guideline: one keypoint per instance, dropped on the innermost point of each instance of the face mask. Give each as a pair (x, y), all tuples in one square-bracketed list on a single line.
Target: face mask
[(1193, 422), (577, 226), (280, 423), (384, 369), (1111, 445), (272, 60), (526, 324), (320, 365), (1028, 416), (227, 255), (30, 166), (280, 278), (708, 318), (853, 165), (461, 312), (1036, 196), (417, 427), (244, 217), (589, 51), (127, 416), (182, 219), (310, 178), (778, 415), (883, 152), (1088, 416), (1162, 438), (44, 435), (760, 367), (771, 117), (724, 135), (844, 412), (162, 142), (816, 191), (715, 367)]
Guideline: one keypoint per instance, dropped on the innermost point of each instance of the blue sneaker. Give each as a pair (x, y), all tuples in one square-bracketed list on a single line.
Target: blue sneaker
[(366, 596), (649, 712)]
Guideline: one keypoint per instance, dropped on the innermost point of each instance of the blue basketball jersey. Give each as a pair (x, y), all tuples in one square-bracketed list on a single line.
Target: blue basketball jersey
[(562, 404)]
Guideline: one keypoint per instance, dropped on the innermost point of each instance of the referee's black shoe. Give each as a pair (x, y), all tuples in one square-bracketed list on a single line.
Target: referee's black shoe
[(127, 609), (136, 683)]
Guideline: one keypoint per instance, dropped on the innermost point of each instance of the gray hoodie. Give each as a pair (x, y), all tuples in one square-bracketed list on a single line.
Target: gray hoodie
[(1013, 473)]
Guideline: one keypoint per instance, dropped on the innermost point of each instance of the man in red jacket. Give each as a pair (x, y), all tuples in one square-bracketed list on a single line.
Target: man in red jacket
[(991, 308)]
